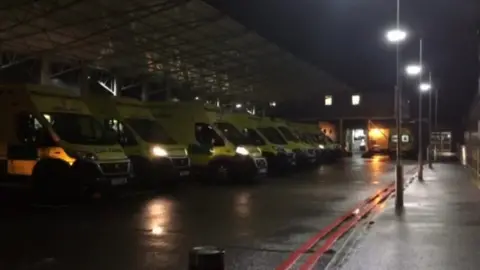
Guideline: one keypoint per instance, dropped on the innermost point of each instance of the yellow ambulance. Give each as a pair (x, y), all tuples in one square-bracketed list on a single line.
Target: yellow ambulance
[(216, 149), (156, 157), (51, 142), (305, 153), (274, 148)]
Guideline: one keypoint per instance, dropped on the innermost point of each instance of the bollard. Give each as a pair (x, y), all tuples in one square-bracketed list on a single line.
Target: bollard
[(206, 258), (478, 161), (429, 157)]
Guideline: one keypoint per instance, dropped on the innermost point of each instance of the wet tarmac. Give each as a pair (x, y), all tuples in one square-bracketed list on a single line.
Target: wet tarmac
[(257, 225), (439, 229)]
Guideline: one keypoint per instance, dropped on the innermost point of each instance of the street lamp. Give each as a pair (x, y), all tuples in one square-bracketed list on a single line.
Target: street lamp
[(416, 70), (413, 70), (425, 87), (397, 36), (420, 117), (430, 153)]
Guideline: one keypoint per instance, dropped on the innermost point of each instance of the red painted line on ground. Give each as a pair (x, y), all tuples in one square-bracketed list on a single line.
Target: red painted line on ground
[(297, 254), (293, 258), (313, 259)]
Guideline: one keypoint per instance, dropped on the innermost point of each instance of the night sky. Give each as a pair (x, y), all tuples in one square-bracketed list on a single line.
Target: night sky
[(345, 38)]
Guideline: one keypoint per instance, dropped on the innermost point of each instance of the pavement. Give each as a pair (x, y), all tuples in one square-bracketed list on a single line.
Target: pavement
[(257, 225), (439, 229)]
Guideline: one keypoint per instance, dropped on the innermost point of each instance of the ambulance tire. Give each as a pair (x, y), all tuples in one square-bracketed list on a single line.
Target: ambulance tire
[(220, 171), (142, 169), (82, 182), (52, 181)]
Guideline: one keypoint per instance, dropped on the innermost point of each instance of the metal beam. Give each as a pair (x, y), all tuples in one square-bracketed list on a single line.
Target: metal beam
[(84, 79), (42, 15), (63, 46), (45, 71), (16, 62), (130, 86), (65, 71), (88, 20), (106, 87)]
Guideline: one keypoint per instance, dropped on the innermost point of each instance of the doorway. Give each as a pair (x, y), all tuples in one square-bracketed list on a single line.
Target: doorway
[(442, 141), (358, 141)]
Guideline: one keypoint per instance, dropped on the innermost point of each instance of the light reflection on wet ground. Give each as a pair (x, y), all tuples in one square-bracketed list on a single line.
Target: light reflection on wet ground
[(257, 225)]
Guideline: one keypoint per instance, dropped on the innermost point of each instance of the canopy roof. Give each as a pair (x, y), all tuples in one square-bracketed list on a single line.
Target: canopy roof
[(189, 41)]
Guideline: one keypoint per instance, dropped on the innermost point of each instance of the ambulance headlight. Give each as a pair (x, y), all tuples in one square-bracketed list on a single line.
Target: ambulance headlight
[(159, 151), (242, 151)]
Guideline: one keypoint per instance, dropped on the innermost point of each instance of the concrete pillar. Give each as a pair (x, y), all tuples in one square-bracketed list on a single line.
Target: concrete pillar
[(168, 87), (341, 133), (367, 139), (186, 77), (45, 71), (84, 80), (144, 93)]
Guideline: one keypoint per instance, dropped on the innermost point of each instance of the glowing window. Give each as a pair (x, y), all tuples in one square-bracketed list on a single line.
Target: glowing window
[(328, 100), (355, 100), (405, 138)]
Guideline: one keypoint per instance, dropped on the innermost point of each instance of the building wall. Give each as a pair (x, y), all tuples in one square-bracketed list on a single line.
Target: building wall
[(470, 154), (472, 131), (471, 136), (372, 105)]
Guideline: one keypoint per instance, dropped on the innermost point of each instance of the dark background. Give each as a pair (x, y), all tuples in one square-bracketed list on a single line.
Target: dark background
[(345, 38)]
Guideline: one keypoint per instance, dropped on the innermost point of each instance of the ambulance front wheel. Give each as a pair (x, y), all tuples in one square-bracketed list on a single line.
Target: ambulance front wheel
[(53, 183)]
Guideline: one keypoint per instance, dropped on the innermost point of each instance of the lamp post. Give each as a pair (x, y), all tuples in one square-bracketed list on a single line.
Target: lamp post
[(430, 152), (423, 87), (435, 127), (397, 36), (420, 120), (436, 110), (416, 70)]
